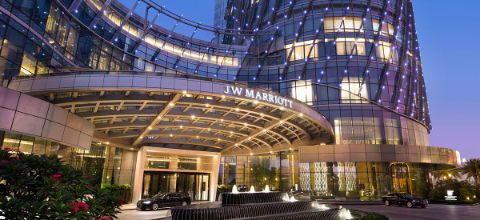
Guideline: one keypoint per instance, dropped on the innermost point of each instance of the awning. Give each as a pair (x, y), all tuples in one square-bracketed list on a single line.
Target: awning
[(183, 112)]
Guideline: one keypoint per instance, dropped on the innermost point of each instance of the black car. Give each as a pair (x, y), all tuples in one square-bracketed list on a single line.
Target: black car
[(404, 199), (164, 200)]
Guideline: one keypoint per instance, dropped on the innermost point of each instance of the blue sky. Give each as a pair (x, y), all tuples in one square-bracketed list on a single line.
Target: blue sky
[(449, 33)]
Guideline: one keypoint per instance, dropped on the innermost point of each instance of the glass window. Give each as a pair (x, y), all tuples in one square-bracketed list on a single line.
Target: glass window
[(384, 50), (28, 65), (343, 24), (386, 30), (26, 145), (39, 147), (11, 141), (302, 90), (187, 163), (350, 46), (302, 50), (352, 90)]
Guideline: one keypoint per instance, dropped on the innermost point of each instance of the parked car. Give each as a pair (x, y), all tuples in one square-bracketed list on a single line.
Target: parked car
[(404, 199), (164, 200)]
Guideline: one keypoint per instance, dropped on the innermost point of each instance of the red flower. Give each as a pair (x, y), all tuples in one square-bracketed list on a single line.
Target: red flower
[(105, 218), (87, 177), (4, 163), (56, 176), (84, 206), (75, 209), (76, 206)]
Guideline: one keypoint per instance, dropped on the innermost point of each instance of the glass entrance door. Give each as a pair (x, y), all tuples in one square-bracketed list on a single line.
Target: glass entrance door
[(399, 177), (195, 184), (186, 183), (202, 187)]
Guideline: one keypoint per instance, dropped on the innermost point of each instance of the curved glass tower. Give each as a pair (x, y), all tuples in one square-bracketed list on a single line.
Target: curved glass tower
[(325, 96), (357, 62)]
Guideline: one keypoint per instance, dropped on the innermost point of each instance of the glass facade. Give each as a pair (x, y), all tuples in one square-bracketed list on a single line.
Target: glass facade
[(355, 62), (195, 184), (364, 180), (107, 164), (170, 172), (327, 180), (361, 58), (279, 171)]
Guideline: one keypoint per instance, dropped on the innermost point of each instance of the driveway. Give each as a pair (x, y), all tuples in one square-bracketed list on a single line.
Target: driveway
[(434, 211), (130, 212), (133, 214)]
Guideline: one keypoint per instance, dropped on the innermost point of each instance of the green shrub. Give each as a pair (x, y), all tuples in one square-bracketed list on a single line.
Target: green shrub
[(466, 193), (462, 189), (374, 216), (436, 194), (41, 187)]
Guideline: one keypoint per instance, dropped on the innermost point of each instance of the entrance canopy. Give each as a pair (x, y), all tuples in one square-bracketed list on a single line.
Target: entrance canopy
[(179, 111)]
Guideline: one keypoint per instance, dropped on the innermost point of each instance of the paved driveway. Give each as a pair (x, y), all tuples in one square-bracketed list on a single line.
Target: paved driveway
[(133, 214), (434, 211)]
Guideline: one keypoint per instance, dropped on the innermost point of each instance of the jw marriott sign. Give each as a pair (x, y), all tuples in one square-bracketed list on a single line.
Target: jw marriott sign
[(258, 95)]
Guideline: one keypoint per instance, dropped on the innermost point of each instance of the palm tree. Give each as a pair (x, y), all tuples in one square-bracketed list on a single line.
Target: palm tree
[(472, 169), (445, 174)]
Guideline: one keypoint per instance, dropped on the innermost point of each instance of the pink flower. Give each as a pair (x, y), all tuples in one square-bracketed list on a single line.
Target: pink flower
[(56, 176)]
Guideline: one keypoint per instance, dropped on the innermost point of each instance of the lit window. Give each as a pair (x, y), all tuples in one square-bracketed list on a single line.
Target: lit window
[(28, 65), (384, 50), (352, 90), (343, 24), (302, 91), (98, 4), (387, 28), (173, 49), (131, 30), (61, 32), (115, 18), (302, 50), (350, 46)]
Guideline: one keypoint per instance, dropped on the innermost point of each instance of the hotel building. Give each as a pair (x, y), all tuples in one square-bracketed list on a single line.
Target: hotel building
[(322, 96)]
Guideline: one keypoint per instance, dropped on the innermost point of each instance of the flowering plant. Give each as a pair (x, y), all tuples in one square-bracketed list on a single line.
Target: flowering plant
[(41, 187)]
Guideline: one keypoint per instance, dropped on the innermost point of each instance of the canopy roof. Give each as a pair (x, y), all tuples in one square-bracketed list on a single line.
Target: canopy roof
[(184, 113)]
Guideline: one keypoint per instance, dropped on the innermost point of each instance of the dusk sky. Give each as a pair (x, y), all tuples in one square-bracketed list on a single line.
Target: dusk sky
[(448, 32)]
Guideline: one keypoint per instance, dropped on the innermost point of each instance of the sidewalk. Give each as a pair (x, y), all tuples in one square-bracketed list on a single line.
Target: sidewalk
[(129, 206)]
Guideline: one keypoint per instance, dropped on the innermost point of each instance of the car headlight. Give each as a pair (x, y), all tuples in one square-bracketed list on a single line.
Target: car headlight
[(147, 202)]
